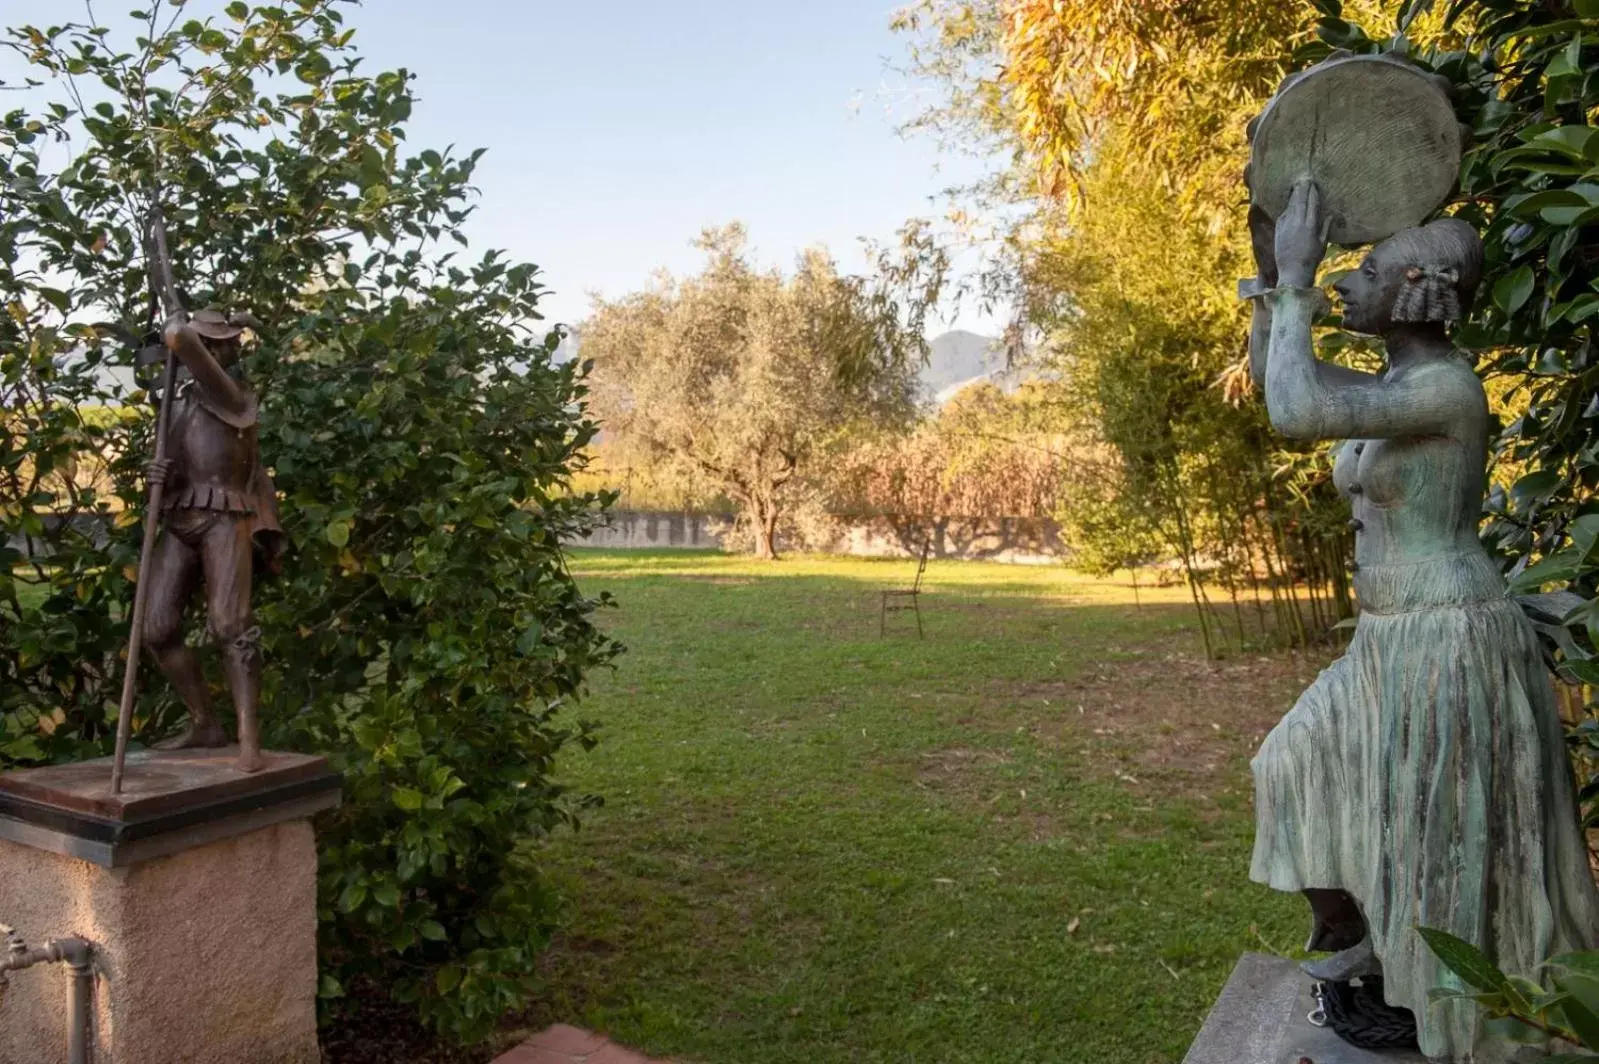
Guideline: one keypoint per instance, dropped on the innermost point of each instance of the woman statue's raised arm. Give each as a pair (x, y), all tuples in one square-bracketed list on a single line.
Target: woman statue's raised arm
[(1314, 400)]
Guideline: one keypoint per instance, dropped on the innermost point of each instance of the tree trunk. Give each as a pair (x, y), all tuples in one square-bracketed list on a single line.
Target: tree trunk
[(763, 516)]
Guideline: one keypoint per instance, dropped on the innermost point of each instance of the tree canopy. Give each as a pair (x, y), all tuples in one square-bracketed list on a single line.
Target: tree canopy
[(746, 376)]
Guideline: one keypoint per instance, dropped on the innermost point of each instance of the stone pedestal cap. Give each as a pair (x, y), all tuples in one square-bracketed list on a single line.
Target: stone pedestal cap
[(1261, 1018), (169, 802)]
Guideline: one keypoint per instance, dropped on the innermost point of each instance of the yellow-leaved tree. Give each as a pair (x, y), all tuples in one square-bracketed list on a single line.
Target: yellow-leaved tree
[(1122, 126)]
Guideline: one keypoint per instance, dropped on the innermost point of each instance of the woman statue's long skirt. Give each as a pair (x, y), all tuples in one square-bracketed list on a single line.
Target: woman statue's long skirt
[(1426, 774)]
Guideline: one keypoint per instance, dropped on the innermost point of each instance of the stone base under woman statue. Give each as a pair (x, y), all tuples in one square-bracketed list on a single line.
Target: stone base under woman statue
[(1423, 780)]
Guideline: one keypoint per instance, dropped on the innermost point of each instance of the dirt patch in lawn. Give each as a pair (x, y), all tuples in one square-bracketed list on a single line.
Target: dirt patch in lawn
[(1168, 723), (958, 769)]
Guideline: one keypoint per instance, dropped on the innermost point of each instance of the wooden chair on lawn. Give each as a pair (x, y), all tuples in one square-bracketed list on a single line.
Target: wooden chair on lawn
[(897, 599)]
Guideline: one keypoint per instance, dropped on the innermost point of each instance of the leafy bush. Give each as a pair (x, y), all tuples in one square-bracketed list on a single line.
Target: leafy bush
[(425, 634), (1521, 1010)]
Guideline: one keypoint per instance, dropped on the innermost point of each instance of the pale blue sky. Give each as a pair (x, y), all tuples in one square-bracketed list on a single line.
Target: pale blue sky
[(616, 130)]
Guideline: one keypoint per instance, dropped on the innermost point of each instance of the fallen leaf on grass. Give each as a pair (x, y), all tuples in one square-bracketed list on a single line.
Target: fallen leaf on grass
[(1071, 928)]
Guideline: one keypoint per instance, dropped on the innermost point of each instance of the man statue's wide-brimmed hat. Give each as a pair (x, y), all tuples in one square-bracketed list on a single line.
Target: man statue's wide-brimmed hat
[(215, 325)]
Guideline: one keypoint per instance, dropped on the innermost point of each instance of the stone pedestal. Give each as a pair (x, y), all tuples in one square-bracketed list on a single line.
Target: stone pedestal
[(196, 887), (1260, 1018)]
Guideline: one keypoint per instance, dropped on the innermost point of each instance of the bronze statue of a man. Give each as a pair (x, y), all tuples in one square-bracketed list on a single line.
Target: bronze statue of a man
[(218, 512)]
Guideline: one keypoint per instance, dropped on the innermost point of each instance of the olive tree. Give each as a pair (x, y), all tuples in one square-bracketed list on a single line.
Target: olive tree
[(745, 376)]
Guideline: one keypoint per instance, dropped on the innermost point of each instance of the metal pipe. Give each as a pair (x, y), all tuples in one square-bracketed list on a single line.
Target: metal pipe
[(78, 955), (79, 958)]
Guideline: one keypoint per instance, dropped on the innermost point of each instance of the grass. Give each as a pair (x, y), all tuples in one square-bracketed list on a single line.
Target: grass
[(1025, 838)]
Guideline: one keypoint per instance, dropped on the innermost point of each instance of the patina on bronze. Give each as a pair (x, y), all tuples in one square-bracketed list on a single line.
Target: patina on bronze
[(212, 513), (1422, 780)]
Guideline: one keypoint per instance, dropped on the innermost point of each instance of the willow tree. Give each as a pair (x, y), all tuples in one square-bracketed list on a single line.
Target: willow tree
[(744, 376), (1125, 129), (1174, 81)]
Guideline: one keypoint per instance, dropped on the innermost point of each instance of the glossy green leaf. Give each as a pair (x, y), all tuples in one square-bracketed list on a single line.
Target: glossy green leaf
[(353, 897), (1512, 291), (1535, 487), (1465, 960), (1579, 1008), (1529, 206), (1575, 142), (1582, 962)]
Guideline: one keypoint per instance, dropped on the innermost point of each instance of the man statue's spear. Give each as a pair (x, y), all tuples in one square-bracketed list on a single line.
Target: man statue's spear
[(161, 280)]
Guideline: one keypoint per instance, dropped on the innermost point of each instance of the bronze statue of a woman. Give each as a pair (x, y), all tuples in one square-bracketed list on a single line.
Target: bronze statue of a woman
[(1422, 780)]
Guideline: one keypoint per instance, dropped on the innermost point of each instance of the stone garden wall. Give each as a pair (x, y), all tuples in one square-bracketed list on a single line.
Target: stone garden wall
[(1015, 540)]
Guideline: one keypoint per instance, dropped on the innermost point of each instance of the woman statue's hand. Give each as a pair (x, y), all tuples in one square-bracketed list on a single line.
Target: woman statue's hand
[(1301, 241)]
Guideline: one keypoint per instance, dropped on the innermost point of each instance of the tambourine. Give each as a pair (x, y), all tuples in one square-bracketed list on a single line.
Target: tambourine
[(1376, 134)]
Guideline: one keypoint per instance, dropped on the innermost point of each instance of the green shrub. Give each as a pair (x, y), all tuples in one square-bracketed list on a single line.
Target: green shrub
[(425, 633)]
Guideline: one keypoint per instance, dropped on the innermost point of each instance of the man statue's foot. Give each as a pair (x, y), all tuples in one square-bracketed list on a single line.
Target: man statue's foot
[(250, 760), (196, 734)]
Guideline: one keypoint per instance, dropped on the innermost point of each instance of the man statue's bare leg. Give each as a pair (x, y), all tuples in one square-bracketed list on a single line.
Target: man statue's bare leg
[(172, 574), (225, 556), (241, 660)]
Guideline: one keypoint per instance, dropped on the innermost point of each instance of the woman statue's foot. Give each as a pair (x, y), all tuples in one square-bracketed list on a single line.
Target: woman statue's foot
[(202, 733), (1356, 962)]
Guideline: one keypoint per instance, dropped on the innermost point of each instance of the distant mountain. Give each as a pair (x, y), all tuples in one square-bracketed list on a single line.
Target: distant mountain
[(959, 358)]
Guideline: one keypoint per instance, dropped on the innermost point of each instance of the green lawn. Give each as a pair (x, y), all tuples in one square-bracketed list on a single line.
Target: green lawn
[(1023, 839)]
